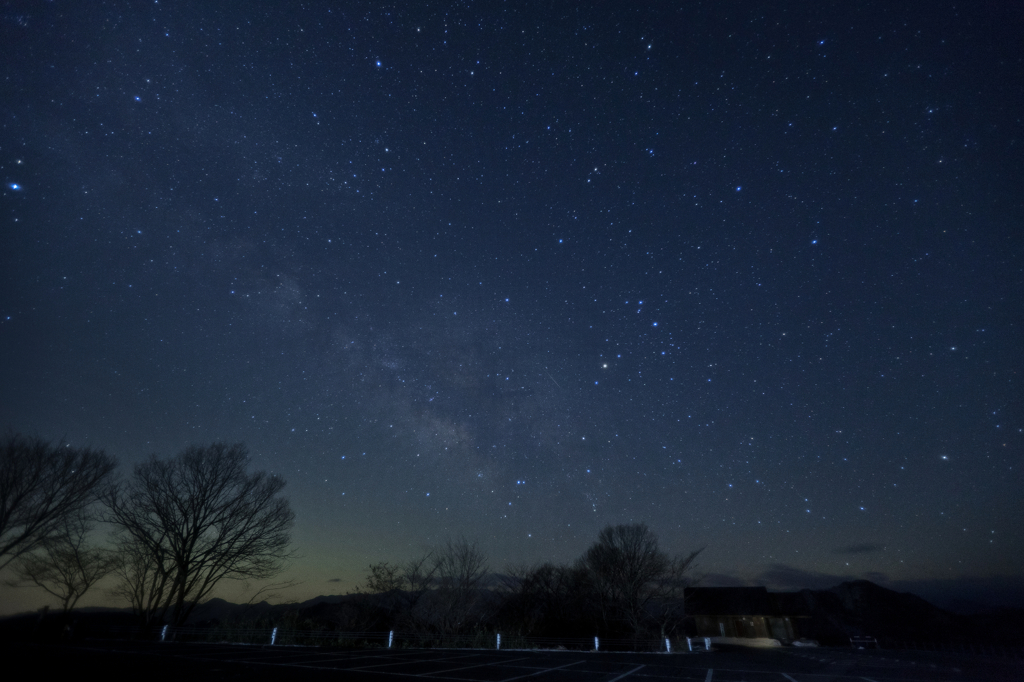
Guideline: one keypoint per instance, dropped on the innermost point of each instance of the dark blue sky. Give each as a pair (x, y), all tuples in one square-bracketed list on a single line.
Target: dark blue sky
[(517, 271)]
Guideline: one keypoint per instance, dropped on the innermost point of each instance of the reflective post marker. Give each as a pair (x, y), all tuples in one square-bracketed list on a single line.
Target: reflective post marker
[(668, 645), (273, 637), (163, 633), (391, 638), (498, 645), (596, 644)]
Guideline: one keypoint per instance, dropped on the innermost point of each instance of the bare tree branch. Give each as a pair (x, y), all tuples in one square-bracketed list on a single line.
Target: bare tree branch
[(630, 574), (458, 567), (41, 485), (65, 565), (144, 570), (270, 591), (195, 520)]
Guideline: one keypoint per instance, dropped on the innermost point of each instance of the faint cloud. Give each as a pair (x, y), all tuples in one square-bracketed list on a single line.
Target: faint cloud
[(862, 548)]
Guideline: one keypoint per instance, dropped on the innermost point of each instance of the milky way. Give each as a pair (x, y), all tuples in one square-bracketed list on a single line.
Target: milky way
[(518, 272)]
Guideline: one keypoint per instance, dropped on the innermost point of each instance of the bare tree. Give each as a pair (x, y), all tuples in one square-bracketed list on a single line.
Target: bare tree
[(630, 573), (384, 578), (42, 485), (145, 571), (397, 588), (547, 600), (458, 568), (418, 574), (531, 595), (186, 524), (385, 581), (65, 565)]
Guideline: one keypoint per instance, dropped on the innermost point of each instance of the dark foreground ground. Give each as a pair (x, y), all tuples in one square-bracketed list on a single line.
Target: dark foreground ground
[(195, 662)]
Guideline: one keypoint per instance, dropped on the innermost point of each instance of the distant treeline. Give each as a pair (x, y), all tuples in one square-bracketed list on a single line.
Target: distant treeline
[(624, 585)]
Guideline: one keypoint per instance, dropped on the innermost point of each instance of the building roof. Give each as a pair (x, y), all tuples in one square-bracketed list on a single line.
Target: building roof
[(730, 601)]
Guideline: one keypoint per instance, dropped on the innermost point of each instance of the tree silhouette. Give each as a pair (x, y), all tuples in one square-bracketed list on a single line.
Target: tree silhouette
[(187, 523), (145, 574), (457, 569), (397, 588), (546, 600), (629, 573), (41, 487), (65, 565)]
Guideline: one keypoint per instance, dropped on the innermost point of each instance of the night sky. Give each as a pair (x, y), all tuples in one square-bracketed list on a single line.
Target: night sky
[(750, 273)]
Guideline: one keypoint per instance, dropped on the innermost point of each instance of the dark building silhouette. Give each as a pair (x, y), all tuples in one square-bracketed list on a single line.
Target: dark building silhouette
[(744, 612)]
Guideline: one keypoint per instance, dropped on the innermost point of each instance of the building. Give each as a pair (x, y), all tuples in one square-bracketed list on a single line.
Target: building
[(738, 613)]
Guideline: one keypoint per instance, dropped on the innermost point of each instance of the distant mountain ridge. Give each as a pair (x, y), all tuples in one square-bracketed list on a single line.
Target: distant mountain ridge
[(862, 608)]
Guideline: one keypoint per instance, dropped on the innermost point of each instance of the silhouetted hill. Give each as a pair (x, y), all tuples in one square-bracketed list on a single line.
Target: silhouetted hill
[(218, 610), (330, 611), (895, 614), (863, 608)]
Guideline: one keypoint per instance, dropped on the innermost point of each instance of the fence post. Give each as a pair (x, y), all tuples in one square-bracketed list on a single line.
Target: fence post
[(498, 645), (391, 638), (707, 644), (273, 637), (597, 644), (668, 646), (163, 633)]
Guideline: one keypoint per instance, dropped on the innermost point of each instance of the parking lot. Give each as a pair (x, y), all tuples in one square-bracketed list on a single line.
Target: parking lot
[(191, 662)]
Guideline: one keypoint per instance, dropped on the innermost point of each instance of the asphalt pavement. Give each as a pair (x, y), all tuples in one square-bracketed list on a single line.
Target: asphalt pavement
[(190, 662)]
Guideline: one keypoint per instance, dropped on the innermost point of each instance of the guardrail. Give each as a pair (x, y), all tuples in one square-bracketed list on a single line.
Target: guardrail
[(485, 640), (277, 636)]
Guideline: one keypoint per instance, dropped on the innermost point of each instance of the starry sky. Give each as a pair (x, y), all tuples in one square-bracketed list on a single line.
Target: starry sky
[(750, 273)]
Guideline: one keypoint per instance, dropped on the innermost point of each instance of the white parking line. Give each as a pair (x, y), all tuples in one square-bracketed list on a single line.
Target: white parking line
[(625, 675), (328, 657), (787, 677), (867, 679), (711, 671), (405, 661), (478, 665), (541, 672)]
